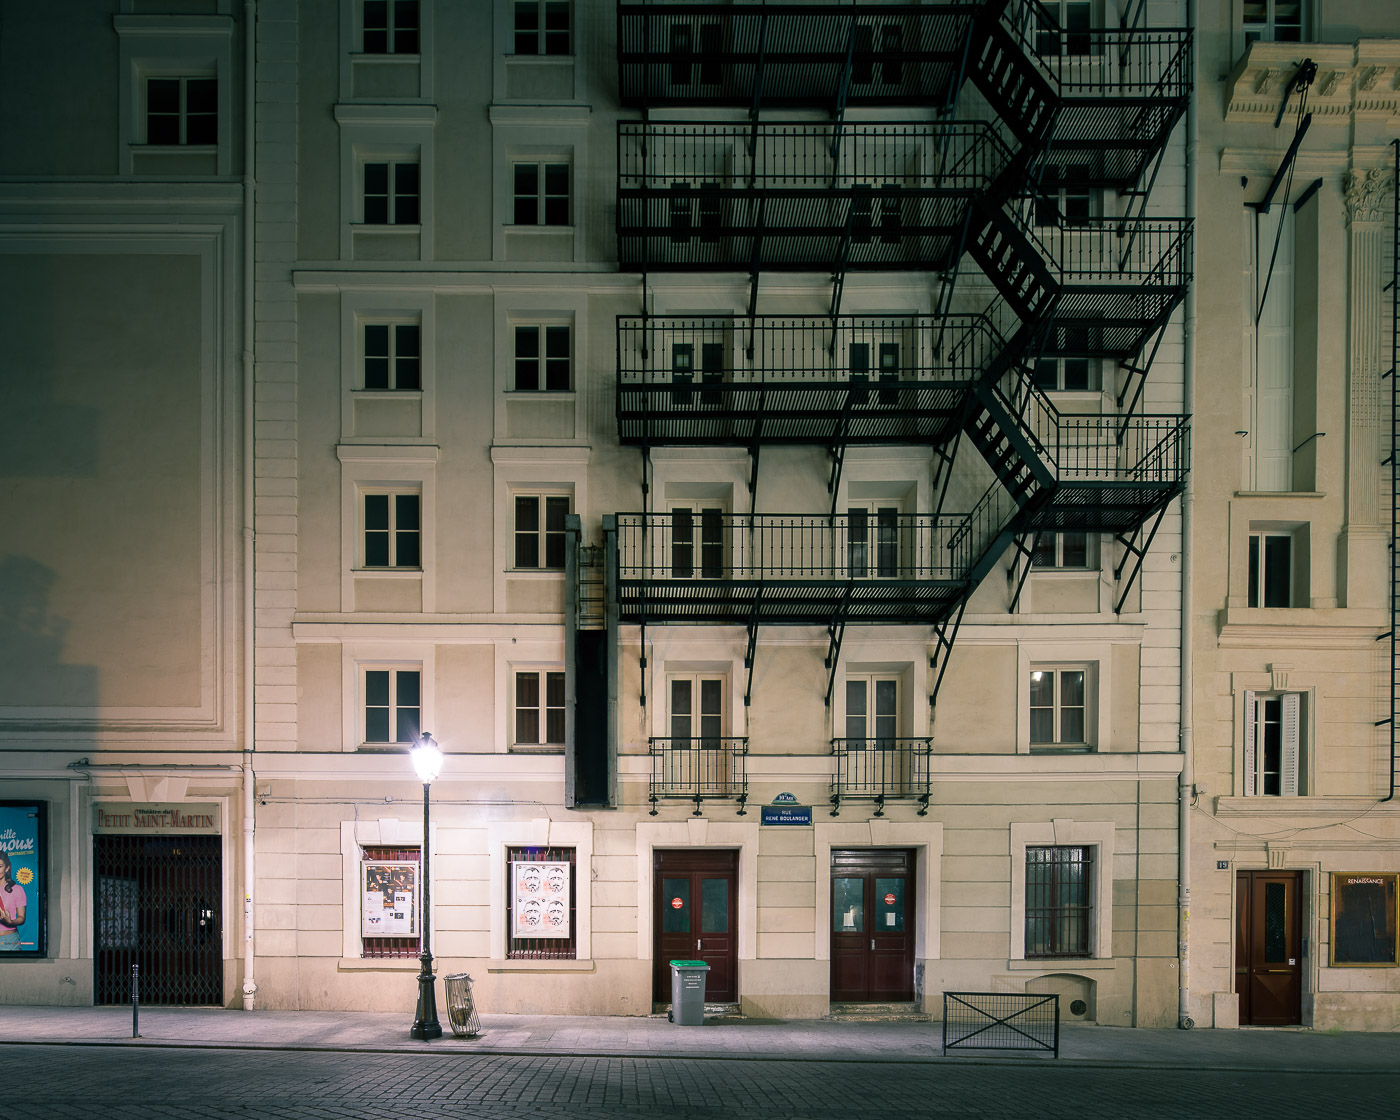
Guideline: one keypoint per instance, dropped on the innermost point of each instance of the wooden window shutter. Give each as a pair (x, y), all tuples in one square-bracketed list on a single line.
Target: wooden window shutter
[(1292, 711), (1250, 718)]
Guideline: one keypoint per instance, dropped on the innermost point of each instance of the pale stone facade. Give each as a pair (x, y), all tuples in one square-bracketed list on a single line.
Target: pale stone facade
[(1327, 503)]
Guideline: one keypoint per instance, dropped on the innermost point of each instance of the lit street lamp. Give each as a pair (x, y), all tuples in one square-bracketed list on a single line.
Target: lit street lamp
[(427, 760)]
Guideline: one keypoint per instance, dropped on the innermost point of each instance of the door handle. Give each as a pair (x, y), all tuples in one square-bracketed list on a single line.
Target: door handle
[(697, 944), (1272, 971), (872, 944)]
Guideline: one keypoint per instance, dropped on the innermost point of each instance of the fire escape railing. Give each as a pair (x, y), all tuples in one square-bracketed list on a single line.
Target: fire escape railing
[(699, 768), (881, 769)]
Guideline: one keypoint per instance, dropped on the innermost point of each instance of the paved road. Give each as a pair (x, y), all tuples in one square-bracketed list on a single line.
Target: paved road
[(117, 1083)]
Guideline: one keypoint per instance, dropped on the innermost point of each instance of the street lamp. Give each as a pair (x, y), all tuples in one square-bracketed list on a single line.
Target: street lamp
[(427, 760)]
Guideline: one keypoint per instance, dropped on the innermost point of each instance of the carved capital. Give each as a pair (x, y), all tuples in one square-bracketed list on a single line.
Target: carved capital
[(1366, 194)]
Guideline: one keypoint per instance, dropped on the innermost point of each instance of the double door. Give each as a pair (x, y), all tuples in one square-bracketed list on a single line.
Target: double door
[(695, 920), (1269, 947), (872, 926)]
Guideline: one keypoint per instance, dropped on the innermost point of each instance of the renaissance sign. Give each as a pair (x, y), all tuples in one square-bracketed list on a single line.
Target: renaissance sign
[(158, 819)]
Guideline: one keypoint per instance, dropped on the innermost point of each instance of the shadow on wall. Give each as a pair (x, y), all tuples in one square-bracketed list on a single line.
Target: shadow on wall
[(41, 437), (32, 640)]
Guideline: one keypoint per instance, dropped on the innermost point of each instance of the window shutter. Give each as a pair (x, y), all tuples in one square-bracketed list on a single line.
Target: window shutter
[(1292, 710), (1249, 721)]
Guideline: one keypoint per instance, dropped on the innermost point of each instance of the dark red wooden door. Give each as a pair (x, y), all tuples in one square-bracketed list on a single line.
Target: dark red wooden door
[(1269, 947), (872, 926), (695, 918)]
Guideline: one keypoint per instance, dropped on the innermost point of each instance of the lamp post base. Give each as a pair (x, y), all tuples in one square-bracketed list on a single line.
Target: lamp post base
[(425, 1024)]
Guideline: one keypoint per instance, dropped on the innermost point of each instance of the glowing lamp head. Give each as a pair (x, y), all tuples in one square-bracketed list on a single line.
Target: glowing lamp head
[(427, 759)]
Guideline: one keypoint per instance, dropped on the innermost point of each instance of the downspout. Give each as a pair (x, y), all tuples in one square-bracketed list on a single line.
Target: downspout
[(250, 986), (1188, 497)]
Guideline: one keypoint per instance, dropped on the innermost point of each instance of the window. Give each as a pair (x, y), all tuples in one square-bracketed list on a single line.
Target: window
[(541, 194), (392, 356), (541, 904), (697, 533), (1064, 198), (392, 884), (539, 531), (391, 193), (539, 708), (683, 372), (887, 371), (1274, 21), (872, 541), (182, 111), (542, 358), (393, 530), (1059, 901), (542, 27), (1058, 706), (872, 711), (390, 27), (1064, 550), (1062, 27), (682, 49), (869, 65), (1270, 337), (1270, 569), (696, 711), (393, 705), (1273, 744), (1068, 375), (876, 210)]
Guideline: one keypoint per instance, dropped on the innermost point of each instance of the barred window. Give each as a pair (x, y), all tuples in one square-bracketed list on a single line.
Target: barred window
[(1059, 903), (541, 948), (398, 947)]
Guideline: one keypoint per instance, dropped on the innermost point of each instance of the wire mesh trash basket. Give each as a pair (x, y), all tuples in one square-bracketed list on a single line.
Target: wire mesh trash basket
[(461, 1007)]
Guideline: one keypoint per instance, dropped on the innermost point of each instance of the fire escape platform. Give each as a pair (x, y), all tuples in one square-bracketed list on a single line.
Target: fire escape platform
[(789, 602)]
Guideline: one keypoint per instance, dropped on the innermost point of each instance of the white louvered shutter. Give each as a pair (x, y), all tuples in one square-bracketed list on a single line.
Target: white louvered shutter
[(1292, 710), (1250, 716)]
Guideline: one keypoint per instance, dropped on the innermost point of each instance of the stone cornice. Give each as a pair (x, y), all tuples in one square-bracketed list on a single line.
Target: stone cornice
[(1356, 79)]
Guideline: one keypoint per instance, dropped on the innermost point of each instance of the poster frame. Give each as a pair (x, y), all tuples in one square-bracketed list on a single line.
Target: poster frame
[(366, 865), (37, 893), (1391, 880)]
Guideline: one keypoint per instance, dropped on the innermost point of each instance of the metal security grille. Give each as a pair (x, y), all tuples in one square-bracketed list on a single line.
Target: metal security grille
[(1058, 907), (392, 946), (543, 948), (158, 901)]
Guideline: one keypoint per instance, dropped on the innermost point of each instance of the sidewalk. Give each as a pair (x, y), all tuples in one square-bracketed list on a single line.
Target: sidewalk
[(744, 1039)]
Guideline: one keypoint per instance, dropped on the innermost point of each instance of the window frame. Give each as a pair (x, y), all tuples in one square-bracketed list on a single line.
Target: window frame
[(871, 681), (1292, 745), (391, 948), (1266, 30), (698, 738), (182, 113), (544, 676), (1054, 912), (392, 530), (1258, 591), (394, 669), (541, 31), (1101, 836), (1057, 707), (544, 329), (542, 531), (708, 558), (392, 29), (541, 195), (392, 356), (1056, 541), (392, 195)]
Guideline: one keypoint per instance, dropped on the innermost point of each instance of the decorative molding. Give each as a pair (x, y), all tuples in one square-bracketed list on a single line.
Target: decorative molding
[(1351, 78), (1366, 194)]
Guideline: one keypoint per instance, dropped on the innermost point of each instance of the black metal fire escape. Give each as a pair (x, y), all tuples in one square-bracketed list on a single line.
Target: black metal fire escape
[(1088, 110), (1393, 462)]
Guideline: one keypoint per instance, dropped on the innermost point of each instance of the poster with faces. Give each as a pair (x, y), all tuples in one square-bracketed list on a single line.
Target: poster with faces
[(540, 899), (390, 899)]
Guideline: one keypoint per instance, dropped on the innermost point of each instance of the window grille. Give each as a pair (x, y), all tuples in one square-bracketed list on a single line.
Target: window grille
[(1058, 905), (400, 947), (542, 948)]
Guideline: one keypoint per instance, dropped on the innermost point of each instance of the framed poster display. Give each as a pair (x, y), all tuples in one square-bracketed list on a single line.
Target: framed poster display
[(1363, 919), (390, 899), (24, 862), (539, 899)]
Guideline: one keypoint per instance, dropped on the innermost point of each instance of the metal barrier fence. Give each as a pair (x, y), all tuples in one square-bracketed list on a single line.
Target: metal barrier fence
[(1001, 1021)]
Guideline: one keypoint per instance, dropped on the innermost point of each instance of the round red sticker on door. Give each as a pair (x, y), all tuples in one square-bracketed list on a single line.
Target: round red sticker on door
[(676, 904), (889, 900)]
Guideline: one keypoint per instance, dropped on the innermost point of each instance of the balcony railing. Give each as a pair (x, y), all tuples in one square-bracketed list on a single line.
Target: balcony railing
[(817, 53), (800, 194), (881, 770), (775, 379), (699, 769)]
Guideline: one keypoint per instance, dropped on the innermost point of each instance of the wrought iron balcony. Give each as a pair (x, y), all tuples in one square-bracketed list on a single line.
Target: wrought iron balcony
[(806, 196), (716, 567), (701, 768), (859, 379), (822, 54), (880, 770)]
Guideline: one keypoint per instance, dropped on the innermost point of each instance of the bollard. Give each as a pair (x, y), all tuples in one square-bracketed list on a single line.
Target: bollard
[(135, 1001)]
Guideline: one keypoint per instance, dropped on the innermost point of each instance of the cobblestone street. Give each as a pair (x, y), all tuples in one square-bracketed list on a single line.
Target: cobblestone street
[(114, 1083)]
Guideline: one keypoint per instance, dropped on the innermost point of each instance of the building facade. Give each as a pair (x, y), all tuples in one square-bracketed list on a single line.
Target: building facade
[(1293, 825), (751, 439)]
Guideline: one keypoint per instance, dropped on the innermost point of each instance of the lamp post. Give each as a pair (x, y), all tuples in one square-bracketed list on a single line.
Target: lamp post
[(427, 760)]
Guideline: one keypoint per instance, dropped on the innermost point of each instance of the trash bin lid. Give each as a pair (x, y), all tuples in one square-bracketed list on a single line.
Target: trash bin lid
[(689, 964), (458, 976)]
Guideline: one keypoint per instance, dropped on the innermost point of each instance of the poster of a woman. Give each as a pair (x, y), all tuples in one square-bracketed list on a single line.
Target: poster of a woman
[(14, 905)]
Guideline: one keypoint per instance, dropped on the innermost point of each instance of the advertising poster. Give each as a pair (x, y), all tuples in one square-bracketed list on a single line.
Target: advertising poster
[(390, 899), (1363, 919), (540, 899), (23, 875)]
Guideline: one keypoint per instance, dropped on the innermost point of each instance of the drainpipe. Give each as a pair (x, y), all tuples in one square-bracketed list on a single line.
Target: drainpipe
[(1183, 839), (250, 986)]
